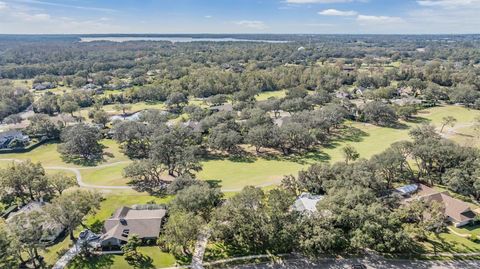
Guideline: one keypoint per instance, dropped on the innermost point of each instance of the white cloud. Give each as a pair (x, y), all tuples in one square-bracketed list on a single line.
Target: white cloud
[(38, 17), (449, 3), (9, 13), (446, 16), (378, 19), (208, 16), (259, 25), (46, 3), (23, 19), (336, 12)]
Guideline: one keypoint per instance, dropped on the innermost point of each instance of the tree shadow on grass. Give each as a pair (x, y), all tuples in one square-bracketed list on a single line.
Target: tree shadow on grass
[(472, 227), (418, 120), (242, 158), (142, 261), (239, 156), (349, 134), (96, 226), (440, 245), (307, 157), (398, 126), (214, 183), (183, 259), (222, 251), (80, 160), (92, 262)]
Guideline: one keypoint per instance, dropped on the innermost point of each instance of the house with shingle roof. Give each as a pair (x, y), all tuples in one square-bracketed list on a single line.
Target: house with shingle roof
[(8, 136), (126, 221), (456, 211)]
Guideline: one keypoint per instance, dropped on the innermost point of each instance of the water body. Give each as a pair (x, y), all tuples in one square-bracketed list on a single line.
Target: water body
[(174, 39)]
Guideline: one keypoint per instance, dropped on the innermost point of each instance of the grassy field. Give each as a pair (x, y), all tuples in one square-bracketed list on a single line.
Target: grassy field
[(467, 136), (265, 95), (108, 176), (24, 83), (235, 174), (48, 155), (370, 140)]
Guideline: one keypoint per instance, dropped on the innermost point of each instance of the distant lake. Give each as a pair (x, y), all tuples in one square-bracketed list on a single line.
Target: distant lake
[(174, 39)]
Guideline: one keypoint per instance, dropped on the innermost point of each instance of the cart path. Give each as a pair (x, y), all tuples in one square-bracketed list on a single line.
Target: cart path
[(78, 174), (81, 183)]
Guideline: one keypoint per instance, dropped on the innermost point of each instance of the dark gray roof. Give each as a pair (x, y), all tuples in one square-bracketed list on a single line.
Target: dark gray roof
[(145, 223), (11, 134)]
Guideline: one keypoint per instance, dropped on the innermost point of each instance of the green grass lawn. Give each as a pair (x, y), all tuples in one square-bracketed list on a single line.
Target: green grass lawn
[(107, 176), (370, 141), (235, 175), (156, 259), (447, 242), (4, 164), (55, 252), (265, 95), (48, 155), (462, 114), (262, 172), (467, 136)]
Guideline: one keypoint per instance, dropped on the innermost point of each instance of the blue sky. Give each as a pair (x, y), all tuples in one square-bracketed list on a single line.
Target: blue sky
[(240, 16)]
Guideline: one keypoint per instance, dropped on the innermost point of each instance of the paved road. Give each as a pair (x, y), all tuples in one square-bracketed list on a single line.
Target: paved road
[(371, 263)]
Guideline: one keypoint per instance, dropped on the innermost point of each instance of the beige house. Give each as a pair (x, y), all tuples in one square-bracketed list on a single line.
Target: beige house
[(126, 221), (455, 210)]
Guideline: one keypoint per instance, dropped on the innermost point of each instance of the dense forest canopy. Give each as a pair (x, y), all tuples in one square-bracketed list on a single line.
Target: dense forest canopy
[(29, 56)]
